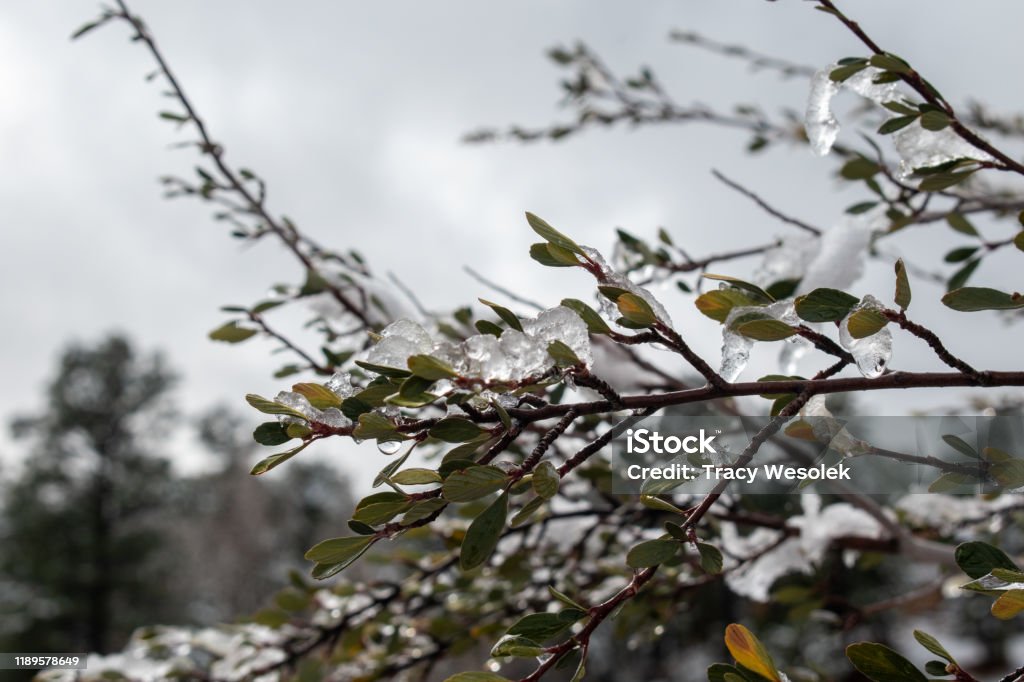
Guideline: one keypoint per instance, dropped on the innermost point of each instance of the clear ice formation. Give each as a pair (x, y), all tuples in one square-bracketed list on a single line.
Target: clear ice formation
[(515, 356), (615, 279), (916, 146), (872, 353), (736, 347)]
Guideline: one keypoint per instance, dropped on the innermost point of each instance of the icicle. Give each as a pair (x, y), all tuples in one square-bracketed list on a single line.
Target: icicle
[(819, 122)]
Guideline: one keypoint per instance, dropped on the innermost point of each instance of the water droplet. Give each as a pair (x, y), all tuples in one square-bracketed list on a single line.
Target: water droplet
[(389, 447)]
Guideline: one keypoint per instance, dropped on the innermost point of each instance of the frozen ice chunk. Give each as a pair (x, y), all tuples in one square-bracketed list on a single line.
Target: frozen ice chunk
[(561, 324), (341, 385), (736, 347), (401, 339), (788, 260), (613, 278), (334, 417), (526, 356), (298, 402), (921, 148), (872, 353), (485, 358), (819, 122)]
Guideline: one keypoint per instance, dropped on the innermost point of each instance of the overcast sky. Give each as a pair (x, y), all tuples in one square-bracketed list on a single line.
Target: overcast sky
[(353, 113)]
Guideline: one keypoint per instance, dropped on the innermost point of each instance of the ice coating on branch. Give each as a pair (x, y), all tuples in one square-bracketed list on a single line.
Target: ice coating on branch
[(401, 339), (819, 122), (615, 279), (515, 357), (872, 353), (736, 347), (921, 148)]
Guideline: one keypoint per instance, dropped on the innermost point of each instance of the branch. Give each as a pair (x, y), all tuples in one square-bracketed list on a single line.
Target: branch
[(764, 205)]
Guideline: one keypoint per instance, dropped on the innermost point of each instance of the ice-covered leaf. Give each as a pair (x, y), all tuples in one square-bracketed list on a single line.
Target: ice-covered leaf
[(871, 352)]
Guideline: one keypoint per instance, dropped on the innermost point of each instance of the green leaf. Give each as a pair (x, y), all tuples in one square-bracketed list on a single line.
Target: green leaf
[(651, 553), (932, 645), (527, 512), (824, 305), (896, 123), (1008, 474), (552, 235), (476, 676), (1018, 241), (960, 277), (483, 534), (473, 483), (888, 62), (749, 652), (339, 550), (429, 367), (422, 510), (507, 316), (652, 502), (271, 407), (542, 626), (961, 224), (271, 433), (563, 355), (595, 323), (723, 672), (268, 463), (232, 333), (318, 395), (718, 303), (520, 647), (710, 558), (636, 309), (545, 480), (765, 330), (936, 668), (978, 559), (841, 73), (393, 372), (375, 426), (488, 327), (960, 254), (1008, 605), (935, 120), (416, 476), (859, 168), (902, 296), (756, 293), (951, 480), (553, 256), (381, 512), (565, 599), (881, 664), (866, 322), (972, 299), (455, 430), (960, 445), (942, 181)]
